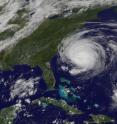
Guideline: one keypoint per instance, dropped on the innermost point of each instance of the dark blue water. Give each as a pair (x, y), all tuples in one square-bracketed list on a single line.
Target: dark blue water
[(91, 96), (9, 78), (47, 115), (96, 92)]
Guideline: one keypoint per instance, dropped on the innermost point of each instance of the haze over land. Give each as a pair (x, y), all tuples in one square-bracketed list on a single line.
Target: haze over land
[(30, 14), (32, 30)]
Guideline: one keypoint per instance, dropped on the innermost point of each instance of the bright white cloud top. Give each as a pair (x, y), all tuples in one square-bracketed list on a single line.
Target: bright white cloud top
[(37, 12), (24, 88), (83, 55)]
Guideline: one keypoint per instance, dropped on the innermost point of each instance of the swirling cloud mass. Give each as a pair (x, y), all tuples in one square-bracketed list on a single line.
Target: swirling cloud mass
[(89, 52)]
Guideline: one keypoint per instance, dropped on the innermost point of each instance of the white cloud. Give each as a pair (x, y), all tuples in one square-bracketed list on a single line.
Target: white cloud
[(41, 9), (24, 88)]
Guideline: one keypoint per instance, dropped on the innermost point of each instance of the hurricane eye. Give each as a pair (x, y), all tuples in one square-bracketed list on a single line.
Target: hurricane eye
[(86, 54)]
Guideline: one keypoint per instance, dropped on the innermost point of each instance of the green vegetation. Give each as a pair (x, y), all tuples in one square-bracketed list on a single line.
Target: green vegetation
[(38, 49), (100, 119), (41, 46), (1, 8), (20, 19), (61, 104), (95, 119), (7, 115), (6, 34)]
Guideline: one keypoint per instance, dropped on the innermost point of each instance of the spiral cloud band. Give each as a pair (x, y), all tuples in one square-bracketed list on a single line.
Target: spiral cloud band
[(87, 53)]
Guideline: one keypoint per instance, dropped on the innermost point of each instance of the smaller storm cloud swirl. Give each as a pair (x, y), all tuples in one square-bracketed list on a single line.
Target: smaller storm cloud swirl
[(89, 52)]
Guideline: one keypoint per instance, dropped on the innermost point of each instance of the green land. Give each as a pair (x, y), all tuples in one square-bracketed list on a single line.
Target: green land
[(6, 34), (41, 45), (7, 115), (19, 21), (61, 104), (39, 48)]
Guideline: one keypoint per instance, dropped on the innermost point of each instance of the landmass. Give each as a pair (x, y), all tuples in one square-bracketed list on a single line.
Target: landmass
[(38, 49)]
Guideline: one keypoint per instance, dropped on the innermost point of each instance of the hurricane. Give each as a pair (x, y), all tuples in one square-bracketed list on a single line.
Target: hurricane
[(89, 52), (58, 57), (89, 57)]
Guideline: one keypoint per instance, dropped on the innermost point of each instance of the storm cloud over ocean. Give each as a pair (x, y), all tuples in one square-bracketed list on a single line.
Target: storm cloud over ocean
[(89, 57)]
